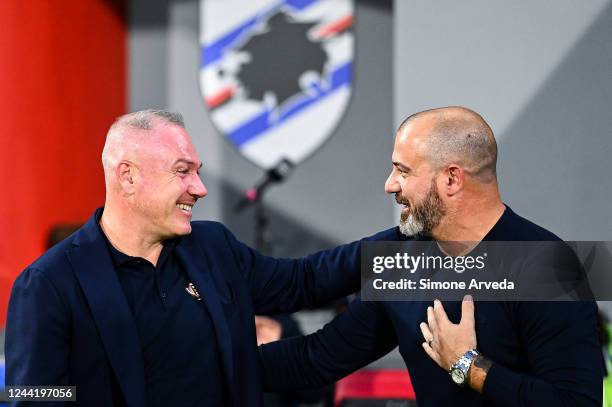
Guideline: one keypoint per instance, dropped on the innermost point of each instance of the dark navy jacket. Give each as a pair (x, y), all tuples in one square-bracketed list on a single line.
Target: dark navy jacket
[(69, 322), (543, 353)]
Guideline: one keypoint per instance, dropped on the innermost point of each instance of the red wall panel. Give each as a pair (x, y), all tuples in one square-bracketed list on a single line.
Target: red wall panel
[(63, 81)]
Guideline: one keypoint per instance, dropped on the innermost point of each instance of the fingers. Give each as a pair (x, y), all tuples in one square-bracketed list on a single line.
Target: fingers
[(449, 340), (436, 316), (431, 319), (427, 344), (427, 334), (467, 311), (439, 313), (431, 353)]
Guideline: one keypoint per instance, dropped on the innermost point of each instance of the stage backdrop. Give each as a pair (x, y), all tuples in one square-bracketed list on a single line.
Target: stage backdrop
[(62, 75)]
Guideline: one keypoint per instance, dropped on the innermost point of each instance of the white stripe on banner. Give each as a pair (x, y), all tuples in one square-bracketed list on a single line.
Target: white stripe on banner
[(286, 136), (216, 19)]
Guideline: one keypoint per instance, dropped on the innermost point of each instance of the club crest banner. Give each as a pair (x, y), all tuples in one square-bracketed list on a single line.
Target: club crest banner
[(276, 75)]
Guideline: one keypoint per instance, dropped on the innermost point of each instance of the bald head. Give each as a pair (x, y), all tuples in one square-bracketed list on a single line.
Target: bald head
[(454, 135), (126, 134)]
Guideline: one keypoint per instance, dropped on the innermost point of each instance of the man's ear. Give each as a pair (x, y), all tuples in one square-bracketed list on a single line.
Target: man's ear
[(126, 174), (454, 177)]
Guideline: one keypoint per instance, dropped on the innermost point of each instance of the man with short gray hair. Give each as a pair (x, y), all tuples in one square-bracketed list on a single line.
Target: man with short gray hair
[(145, 307)]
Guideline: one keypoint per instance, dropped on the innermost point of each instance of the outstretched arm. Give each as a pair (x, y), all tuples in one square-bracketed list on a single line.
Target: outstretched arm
[(280, 285), (355, 338)]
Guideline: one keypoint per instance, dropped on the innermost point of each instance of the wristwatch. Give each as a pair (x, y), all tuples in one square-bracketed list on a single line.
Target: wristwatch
[(459, 370)]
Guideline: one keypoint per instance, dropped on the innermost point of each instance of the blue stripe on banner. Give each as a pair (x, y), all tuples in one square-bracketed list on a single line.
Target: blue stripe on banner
[(299, 4), (214, 51), (262, 123), (247, 131)]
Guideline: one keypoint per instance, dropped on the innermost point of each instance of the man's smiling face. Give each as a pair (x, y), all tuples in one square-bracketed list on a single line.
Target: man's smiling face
[(169, 183), (413, 181)]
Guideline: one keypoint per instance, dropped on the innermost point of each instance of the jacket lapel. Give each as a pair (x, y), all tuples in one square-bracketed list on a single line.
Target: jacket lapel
[(96, 274), (199, 268)]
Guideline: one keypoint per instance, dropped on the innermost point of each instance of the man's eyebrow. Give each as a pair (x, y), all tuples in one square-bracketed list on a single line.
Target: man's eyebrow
[(188, 162), (401, 166)]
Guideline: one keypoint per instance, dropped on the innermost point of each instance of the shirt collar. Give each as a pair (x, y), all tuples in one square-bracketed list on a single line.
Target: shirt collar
[(497, 232), (119, 258)]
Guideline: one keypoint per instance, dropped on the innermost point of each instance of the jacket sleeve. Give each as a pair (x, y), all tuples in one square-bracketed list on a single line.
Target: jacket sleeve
[(356, 337), (280, 285), (37, 335), (564, 355)]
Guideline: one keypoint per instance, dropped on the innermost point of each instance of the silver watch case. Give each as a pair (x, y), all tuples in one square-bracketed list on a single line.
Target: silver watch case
[(459, 370)]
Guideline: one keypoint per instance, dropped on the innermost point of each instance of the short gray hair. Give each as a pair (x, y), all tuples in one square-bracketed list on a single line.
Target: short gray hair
[(142, 120), (462, 136)]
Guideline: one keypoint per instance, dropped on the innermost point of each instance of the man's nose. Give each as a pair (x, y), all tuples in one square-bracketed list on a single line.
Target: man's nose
[(197, 188), (391, 185)]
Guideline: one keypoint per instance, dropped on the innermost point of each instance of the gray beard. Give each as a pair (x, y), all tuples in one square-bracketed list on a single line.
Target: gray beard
[(410, 226), (424, 218)]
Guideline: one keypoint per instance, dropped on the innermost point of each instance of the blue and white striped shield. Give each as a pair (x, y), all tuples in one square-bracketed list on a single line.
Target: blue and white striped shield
[(276, 74)]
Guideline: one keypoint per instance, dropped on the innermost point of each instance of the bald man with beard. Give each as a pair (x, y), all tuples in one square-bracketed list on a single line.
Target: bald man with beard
[(497, 353)]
